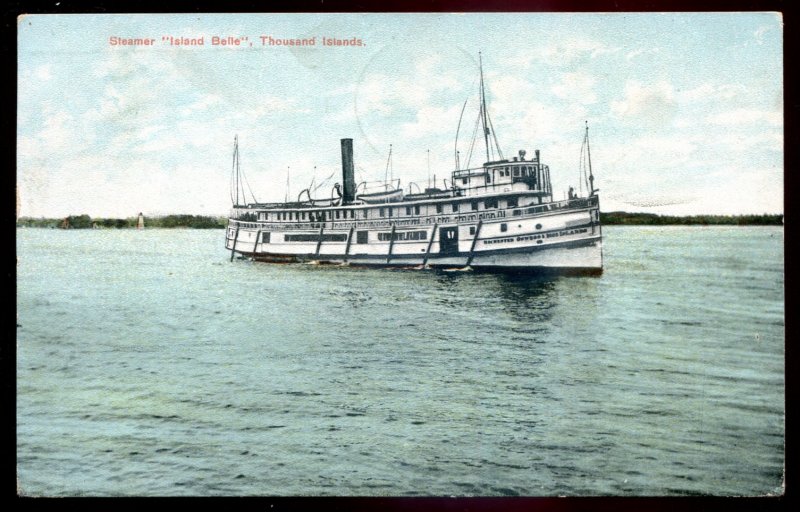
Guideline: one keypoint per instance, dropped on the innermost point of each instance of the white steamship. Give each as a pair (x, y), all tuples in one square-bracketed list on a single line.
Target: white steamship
[(500, 216)]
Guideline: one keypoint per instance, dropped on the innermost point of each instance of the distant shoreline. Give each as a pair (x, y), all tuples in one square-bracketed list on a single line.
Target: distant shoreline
[(87, 222), (209, 222), (651, 219)]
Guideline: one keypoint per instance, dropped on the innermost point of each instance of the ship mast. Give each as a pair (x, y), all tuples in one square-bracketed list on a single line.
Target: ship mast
[(483, 109), (235, 173), (238, 179), (483, 116), (589, 161)]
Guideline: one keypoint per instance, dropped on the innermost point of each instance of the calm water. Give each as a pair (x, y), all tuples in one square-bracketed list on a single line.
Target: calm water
[(148, 364)]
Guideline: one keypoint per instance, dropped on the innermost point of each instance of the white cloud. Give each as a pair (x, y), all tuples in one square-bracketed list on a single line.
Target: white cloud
[(43, 72), (710, 92), (560, 53), (741, 142), (744, 116), (567, 51), (647, 104), (431, 121), (701, 92), (56, 134), (576, 86), (202, 104), (642, 51)]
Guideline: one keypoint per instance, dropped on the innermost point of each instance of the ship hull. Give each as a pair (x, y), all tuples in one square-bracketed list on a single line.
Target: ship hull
[(571, 258)]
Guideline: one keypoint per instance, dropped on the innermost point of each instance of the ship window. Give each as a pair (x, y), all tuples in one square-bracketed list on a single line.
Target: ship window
[(390, 211), (439, 208), (464, 181), (265, 237), (512, 202), (383, 212), (506, 171), (365, 213), (327, 237), (416, 210), (338, 213), (490, 203), (472, 230), (352, 214), (488, 178), (362, 237), (516, 171), (455, 207), (474, 205), (503, 227), (403, 235), (408, 210)]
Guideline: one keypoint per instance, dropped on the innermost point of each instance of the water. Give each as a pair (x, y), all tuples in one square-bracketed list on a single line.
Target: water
[(148, 364)]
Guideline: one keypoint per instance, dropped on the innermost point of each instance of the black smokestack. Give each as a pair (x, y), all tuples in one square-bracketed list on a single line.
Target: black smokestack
[(348, 176)]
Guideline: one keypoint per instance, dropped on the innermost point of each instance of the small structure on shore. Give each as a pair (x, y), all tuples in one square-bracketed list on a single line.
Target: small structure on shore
[(140, 221)]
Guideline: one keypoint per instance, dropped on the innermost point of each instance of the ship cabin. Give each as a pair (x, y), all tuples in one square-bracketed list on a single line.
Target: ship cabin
[(500, 186), (517, 174)]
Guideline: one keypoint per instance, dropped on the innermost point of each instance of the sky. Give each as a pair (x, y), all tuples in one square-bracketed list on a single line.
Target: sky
[(685, 110)]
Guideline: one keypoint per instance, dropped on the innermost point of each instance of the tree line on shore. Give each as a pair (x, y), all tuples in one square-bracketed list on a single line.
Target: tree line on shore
[(208, 222), (87, 222), (651, 219)]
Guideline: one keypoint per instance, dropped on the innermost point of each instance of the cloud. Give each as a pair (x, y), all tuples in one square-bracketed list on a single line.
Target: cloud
[(744, 116), (711, 92), (642, 51), (43, 72), (431, 120), (740, 142), (646, 104), (202, 104), (385, 94), (576, 86), (570, 50), (562, 53)]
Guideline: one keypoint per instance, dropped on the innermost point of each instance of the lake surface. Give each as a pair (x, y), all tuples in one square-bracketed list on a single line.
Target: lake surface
[(148, 364)]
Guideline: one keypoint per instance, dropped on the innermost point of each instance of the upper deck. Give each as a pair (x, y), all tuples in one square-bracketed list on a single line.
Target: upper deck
[(492, 182)]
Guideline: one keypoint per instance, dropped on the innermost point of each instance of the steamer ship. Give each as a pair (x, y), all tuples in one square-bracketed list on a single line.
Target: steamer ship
[(500, 216)]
